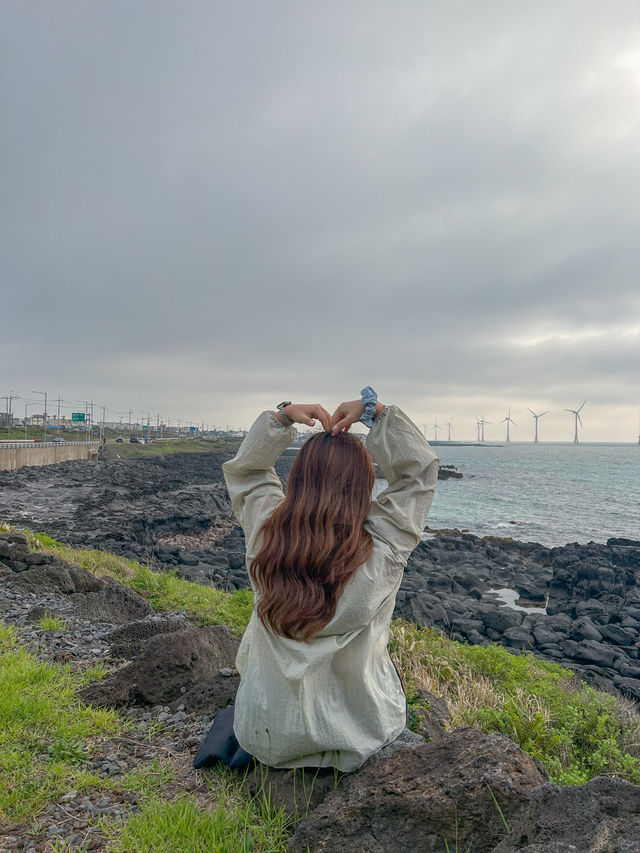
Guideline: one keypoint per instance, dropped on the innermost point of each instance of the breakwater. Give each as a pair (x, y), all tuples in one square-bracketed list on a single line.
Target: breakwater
[(15, 455)]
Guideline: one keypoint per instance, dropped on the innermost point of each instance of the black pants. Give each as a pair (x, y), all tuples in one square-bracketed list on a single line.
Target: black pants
[(221, 744)]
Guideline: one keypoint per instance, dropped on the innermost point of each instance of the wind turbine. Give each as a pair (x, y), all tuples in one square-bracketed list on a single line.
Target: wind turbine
[(478, 425), (448, 424), (576, 413), (435, 430), (509, 420), (482, 425), (535, 440)]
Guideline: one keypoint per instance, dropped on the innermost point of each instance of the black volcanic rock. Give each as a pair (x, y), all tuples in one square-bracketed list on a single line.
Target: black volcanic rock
[(175, 513)]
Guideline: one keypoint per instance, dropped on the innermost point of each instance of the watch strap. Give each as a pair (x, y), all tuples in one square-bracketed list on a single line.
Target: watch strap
[(281, 407)]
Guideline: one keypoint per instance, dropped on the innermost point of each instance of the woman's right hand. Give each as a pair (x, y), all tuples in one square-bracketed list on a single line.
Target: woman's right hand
[(349, 413), (345, 415)]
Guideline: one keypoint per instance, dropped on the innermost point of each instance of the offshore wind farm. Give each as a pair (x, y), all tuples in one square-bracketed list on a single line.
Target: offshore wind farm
[(480, 425)]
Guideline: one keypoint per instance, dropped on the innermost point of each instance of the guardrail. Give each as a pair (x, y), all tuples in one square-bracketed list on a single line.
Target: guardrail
[(15, 445)]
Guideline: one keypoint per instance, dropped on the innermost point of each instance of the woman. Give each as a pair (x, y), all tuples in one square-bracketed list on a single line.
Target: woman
[(318, 687)]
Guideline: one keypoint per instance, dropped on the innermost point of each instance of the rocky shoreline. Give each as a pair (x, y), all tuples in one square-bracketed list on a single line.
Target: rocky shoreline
[(578, 605), (170, 677)]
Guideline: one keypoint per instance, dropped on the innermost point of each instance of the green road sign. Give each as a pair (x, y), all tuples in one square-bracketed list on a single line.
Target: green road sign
[(77, 416)]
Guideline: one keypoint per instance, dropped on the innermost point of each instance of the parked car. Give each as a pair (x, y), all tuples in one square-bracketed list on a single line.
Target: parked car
[(135, 439), (58, 440), (119, 439)]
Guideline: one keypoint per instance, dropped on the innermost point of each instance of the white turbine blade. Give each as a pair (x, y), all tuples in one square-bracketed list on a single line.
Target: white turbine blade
[(582, 406), (544, 413), (570, 410), (532, 412), (580, 419), (514, 423)]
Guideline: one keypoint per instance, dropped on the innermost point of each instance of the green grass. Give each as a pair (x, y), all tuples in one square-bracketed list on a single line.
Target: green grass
[(167, 447), (46, 735), (231, 824), (49, 622)]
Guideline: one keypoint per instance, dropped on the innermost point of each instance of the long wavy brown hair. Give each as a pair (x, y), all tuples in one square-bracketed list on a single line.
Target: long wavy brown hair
[(315, 540)]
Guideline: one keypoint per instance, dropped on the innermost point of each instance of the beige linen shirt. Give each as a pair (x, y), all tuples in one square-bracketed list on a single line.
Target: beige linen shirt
[(337, 699)]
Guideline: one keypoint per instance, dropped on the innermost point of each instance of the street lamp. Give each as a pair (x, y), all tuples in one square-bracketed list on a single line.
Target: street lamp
[(44, 432), (26, 405)]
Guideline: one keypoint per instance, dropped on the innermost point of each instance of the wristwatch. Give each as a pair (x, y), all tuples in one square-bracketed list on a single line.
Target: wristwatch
[(281, 407)]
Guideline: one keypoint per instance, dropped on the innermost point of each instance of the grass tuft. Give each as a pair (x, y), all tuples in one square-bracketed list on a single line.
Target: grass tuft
[(49, 622), (229, 824)]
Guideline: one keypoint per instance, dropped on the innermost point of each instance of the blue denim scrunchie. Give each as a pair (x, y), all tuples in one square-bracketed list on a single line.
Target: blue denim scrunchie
[(369, 400)]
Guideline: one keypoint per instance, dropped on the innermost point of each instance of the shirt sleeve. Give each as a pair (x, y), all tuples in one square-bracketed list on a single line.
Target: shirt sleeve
[(254, 487), (410, 468)]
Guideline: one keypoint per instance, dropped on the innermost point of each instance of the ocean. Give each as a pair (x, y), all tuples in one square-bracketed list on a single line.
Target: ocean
[(548, 493)]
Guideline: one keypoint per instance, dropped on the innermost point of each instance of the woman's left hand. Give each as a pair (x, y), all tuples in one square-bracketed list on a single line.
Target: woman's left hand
[(304, 413)]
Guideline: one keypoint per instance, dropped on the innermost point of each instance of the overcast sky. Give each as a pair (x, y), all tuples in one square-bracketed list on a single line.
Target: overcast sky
[(210, 207)]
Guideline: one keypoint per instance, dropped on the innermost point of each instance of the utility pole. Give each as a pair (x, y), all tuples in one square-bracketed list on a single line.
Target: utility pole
[(58, 401), (103, 410), (143, 414), (44, 431), (12, 396), (129, 413), (158, 424)]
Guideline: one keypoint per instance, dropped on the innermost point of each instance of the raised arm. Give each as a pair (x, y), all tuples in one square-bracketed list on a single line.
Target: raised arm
[(410, 468), (254, 487)]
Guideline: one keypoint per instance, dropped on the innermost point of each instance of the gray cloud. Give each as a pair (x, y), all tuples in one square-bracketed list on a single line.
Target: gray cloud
[(206, 207)]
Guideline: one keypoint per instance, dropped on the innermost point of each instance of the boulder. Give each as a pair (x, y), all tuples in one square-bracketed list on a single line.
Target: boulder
[(113, 602), (167, 666), (545, 636), (127, 641), (584, 629), (631, 686), (595, 609), (298, 791), (501, 619), (601, 816), (210, 695), (518, 638), (423, 798), (594, 652), (619, 635), (54, 578), (430, 715)]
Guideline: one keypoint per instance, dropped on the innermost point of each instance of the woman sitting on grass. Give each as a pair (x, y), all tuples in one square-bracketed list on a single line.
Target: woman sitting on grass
[(318, 687)]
